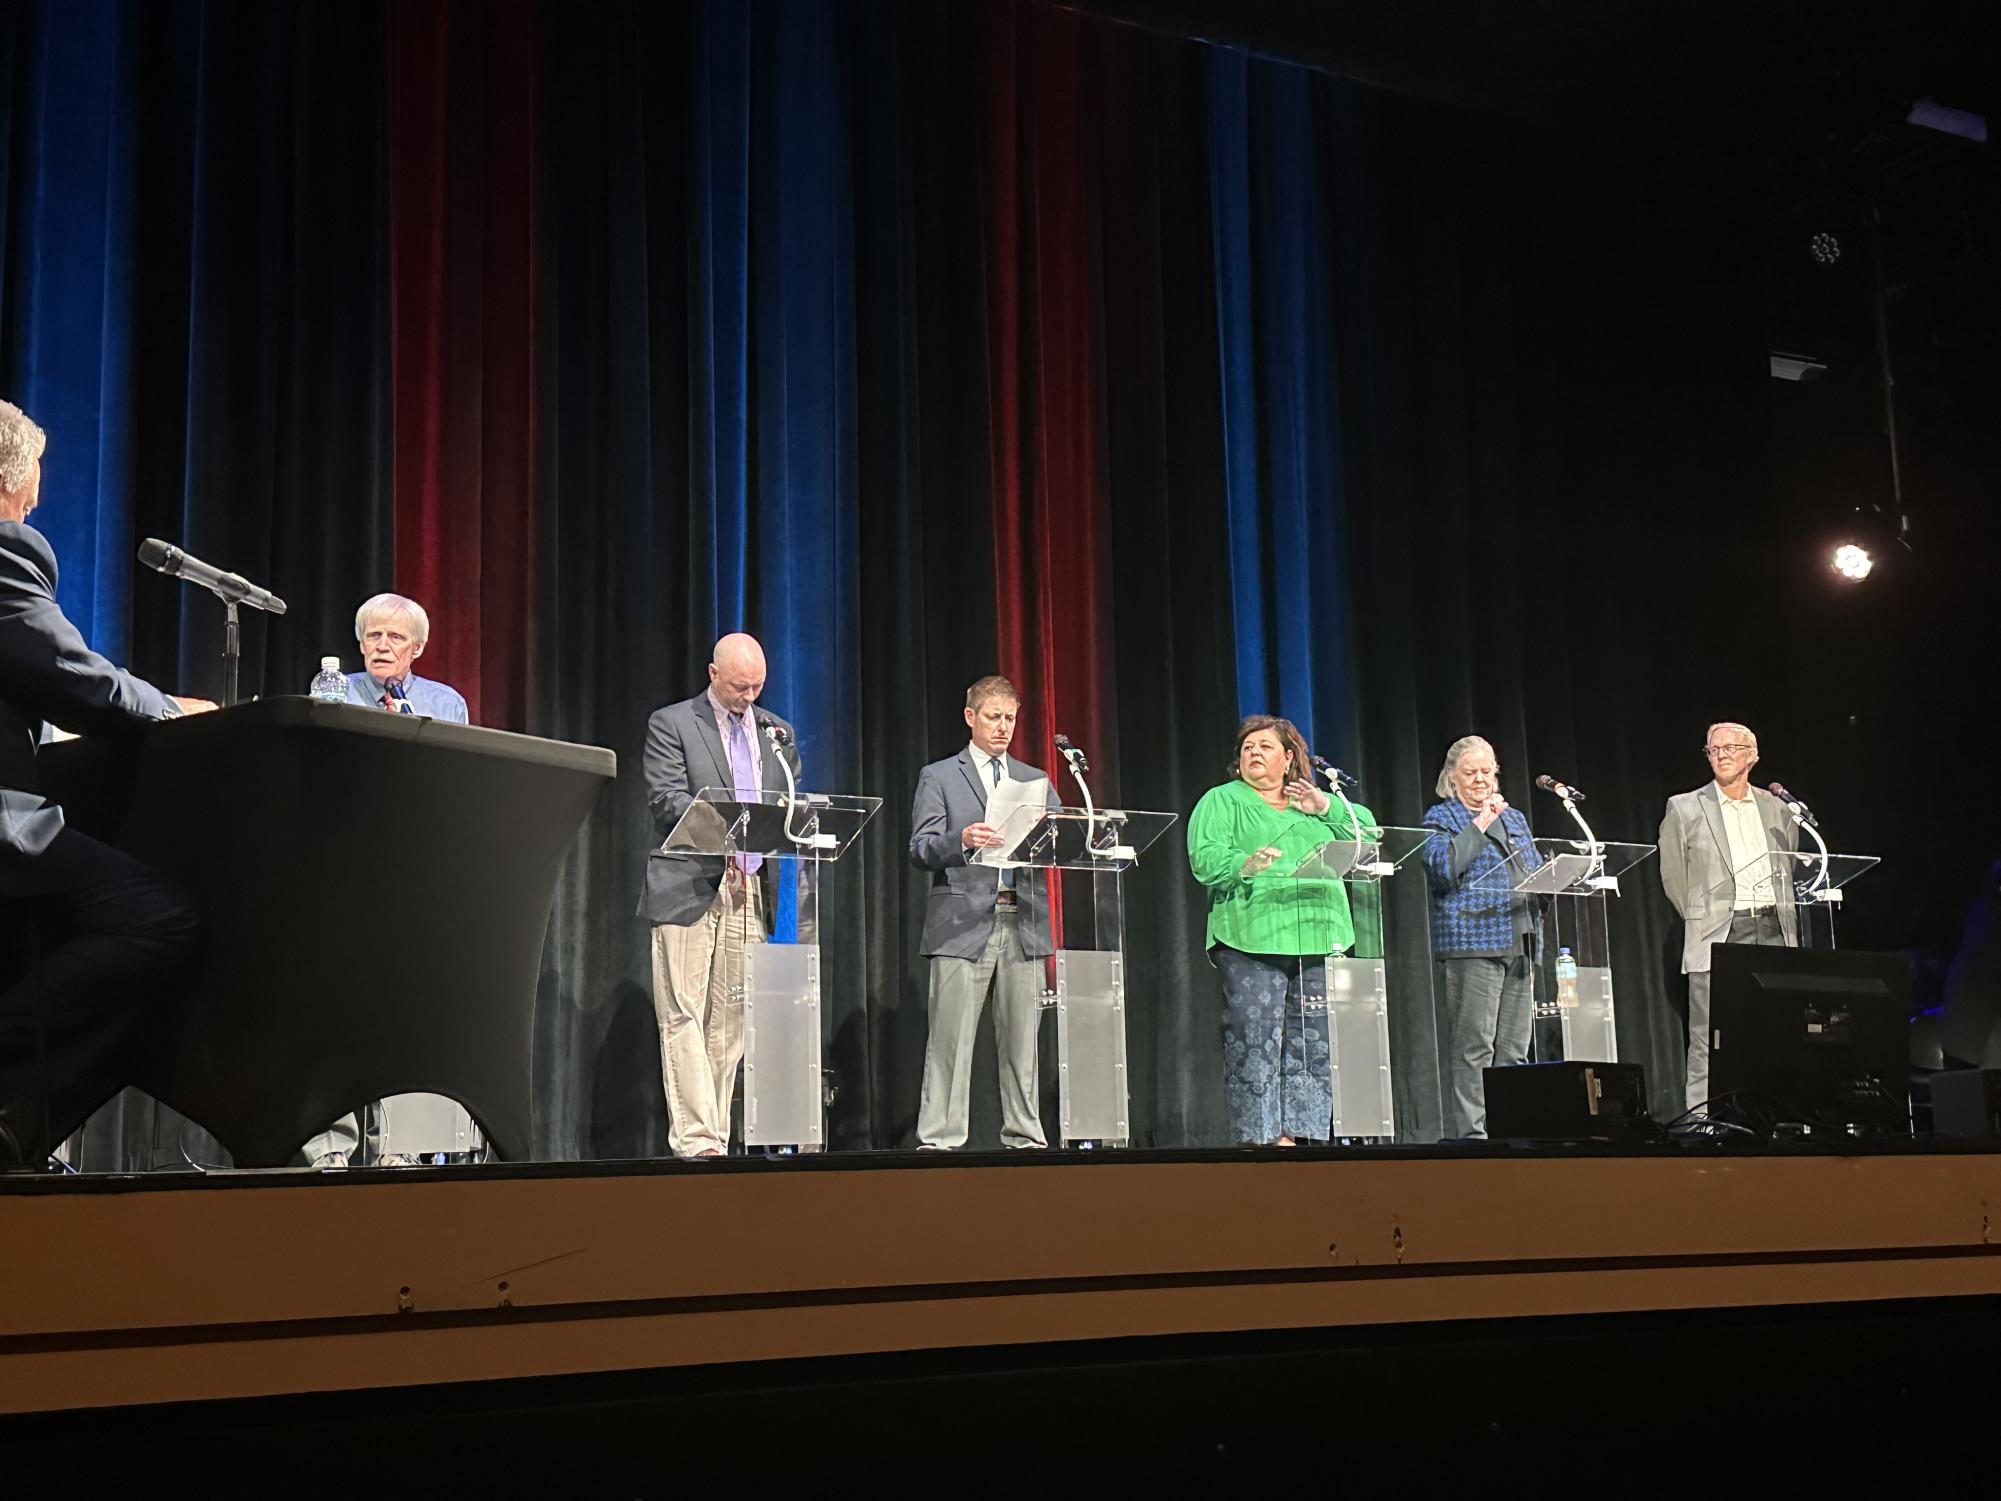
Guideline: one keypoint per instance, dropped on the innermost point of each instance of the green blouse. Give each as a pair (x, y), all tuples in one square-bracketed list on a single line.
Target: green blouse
[(1271, 912)]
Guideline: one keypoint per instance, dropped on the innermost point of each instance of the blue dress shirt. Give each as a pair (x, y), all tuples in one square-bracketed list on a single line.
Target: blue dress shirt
[(429, 699)]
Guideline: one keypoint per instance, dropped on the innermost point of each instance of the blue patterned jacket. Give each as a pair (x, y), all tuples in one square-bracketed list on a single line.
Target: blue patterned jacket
[(1467, 916)]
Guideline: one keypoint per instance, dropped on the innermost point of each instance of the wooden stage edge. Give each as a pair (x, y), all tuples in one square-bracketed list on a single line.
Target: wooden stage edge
[(136, 1291)]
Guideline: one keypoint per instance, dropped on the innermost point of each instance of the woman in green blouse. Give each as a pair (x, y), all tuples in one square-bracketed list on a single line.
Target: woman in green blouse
[(1270, 931)]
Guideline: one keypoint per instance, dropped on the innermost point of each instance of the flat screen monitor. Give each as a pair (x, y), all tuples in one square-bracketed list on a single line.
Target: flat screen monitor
[(1815, 1038)]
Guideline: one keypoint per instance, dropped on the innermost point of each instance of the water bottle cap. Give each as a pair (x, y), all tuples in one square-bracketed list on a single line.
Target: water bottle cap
[(329, 664), (1561, 952)]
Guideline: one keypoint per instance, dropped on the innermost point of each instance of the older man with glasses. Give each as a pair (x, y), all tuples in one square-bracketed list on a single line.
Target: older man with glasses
[(1714, 867)]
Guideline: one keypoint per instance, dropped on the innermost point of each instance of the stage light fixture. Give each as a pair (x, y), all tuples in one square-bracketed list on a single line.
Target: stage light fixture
[(1824, 248), (1853, 562)]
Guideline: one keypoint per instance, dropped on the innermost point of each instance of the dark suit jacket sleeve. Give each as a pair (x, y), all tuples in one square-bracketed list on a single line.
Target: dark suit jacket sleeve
[(49, 671), (934, 843), (665, 763)]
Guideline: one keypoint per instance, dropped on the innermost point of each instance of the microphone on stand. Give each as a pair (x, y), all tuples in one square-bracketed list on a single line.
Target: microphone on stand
[(1333, 773), (1777, 789), (231, 588), (1070, 752), (1551, 784)]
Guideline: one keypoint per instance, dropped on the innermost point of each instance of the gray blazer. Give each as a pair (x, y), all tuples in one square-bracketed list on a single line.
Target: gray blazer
[(684, 753), (1695, 865), (959, 909)]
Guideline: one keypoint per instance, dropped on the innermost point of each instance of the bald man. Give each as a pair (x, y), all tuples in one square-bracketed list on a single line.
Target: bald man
[(706, 910)]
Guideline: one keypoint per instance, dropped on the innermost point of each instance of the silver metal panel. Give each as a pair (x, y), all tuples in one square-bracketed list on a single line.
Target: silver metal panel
[(1358, 1034), (1091, 1045), (783, 1102), (1589, 1033), (423, 1125)]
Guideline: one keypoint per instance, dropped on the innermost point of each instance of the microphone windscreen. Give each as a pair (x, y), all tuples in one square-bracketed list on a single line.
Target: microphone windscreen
[(154, 553)]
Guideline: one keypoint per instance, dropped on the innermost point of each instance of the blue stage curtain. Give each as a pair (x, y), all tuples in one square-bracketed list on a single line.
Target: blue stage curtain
[(1281, 423), (705, 411), (66, 240)]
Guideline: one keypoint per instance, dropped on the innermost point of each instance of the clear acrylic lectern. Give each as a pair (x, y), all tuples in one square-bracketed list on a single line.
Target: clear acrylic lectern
[(784, 1085), (1375, 973), (1091, 849), (1806, 886), (1574, 876)]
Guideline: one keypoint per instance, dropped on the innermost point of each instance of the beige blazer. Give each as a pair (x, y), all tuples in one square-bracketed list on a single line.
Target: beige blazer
[(1695, 867)]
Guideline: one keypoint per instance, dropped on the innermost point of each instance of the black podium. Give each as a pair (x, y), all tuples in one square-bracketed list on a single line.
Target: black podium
[(283, 817)]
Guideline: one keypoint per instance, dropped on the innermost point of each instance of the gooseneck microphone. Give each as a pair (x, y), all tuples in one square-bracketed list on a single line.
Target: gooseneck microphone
[(1777, 789), (231, 588), (1070, 752), (403, 704), (1551, 784), (1333, 773)]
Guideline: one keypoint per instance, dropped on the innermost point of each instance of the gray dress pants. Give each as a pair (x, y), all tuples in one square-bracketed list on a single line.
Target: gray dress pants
[(1760, 926), (1488, 1009), (958, 994)]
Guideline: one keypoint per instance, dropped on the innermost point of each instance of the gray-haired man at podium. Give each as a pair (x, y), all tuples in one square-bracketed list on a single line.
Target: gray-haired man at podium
[(1718, 831), (706, 910), (984, 929)]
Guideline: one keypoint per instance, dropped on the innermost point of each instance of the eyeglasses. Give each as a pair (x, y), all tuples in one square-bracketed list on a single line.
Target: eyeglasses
[(1729, 750)]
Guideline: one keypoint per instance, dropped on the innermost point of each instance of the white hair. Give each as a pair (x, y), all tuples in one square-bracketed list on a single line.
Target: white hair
[(1446, 786), (21, 444), (393, 604), (1729, 724)]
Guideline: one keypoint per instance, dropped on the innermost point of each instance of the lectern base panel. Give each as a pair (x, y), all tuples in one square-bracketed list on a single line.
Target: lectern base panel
[(783, 1083), (1091, 1046)]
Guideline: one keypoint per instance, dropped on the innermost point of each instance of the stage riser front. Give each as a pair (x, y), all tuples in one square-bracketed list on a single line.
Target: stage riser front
[(254, 1286)]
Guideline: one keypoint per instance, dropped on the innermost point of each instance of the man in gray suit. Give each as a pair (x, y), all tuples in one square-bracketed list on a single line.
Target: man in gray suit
[(1710, 836), (706, 909), (983, 929)]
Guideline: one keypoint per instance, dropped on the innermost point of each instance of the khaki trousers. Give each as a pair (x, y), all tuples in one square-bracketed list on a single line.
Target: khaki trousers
[(698, 1001), (959, 990)]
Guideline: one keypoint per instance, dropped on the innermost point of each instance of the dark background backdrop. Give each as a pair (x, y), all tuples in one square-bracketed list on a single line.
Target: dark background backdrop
[(1405, 371)]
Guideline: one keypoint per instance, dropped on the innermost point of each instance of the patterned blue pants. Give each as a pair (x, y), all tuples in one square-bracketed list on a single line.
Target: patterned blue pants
[(1277, 1069)]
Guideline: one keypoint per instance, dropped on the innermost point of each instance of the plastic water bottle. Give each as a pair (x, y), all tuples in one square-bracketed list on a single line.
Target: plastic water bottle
[(1566, 979), (329, 686)]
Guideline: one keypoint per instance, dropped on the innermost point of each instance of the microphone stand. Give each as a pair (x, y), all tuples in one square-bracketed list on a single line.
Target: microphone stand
[(812, 838), (1114, 851), (232, 648), (1592, 847), (1361, 840), (1817, 888)]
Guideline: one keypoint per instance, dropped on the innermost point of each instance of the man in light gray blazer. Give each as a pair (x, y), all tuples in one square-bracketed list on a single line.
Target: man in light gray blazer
[(983, 929), (1708, 836), (706, 909)]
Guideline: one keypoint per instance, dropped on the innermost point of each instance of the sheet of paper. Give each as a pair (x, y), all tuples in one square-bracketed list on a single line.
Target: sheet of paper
[(1005, 801)]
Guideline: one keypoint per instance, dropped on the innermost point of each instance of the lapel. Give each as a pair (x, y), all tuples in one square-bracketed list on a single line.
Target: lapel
[(718, 757), (973, 778), (1711, 803)]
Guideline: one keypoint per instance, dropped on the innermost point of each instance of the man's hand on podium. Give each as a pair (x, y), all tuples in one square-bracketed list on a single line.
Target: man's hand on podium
[(193, 705), (980, 836)]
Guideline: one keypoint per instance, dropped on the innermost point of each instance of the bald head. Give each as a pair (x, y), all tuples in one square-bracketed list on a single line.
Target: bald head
[(736, 671)]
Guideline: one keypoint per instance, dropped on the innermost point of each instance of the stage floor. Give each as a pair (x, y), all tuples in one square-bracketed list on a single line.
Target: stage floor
[(185, 1288)]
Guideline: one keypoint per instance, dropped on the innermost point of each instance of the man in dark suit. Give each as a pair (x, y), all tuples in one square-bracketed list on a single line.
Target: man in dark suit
[(706, 909), (984, 929), (124, 930)]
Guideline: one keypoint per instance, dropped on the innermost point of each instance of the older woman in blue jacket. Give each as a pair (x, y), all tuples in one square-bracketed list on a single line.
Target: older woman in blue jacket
[(1486, 938)]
